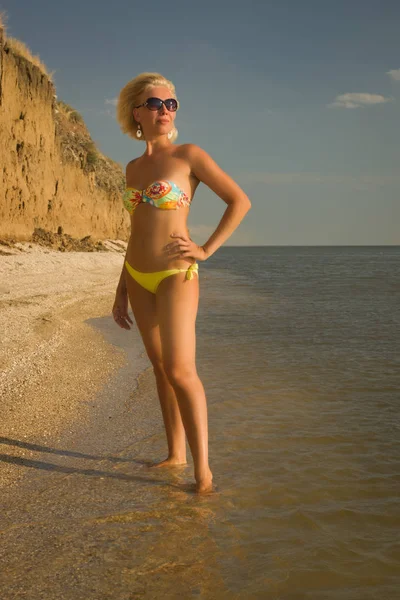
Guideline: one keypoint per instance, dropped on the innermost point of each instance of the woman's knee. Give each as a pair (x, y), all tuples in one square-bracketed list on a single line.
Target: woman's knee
[(158, 366), (180, 374)]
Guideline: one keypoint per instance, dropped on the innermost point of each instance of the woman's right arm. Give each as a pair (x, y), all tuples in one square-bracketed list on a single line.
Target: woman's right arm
[(121, 287), (120, 307)]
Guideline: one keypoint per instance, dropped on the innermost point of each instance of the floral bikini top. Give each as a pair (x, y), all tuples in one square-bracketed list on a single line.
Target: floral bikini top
[(161, 194)]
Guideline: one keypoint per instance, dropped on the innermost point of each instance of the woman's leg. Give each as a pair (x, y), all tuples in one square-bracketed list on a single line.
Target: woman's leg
[(143, 304), (177, 302)]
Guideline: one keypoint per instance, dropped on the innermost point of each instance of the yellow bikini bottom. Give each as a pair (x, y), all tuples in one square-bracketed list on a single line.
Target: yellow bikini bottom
[(151, 281)]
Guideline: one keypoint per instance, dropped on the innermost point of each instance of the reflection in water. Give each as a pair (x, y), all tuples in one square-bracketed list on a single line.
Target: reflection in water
[(113, 528)]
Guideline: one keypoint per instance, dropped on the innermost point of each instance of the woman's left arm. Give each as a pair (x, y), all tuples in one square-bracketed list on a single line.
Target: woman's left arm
[(207, 171)]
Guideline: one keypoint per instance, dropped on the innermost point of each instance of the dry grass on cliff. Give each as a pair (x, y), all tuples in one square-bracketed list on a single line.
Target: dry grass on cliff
[(78, 148), (21, 49), (3, 17), (69, 112)]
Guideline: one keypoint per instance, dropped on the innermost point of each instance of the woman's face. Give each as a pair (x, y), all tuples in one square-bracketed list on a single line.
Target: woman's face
[(155, 122)]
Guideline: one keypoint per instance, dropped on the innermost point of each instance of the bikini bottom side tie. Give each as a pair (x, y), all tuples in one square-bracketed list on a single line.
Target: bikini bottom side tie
[(151, 281)]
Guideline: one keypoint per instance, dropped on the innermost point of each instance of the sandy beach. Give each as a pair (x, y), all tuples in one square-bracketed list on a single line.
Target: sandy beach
[(51, 360)]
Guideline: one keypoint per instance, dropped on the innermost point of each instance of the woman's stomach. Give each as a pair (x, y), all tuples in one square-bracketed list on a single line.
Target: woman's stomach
[(151, 230)]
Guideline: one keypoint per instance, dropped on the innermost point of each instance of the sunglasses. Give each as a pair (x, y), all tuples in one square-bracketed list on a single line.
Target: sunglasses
[(156, 103)]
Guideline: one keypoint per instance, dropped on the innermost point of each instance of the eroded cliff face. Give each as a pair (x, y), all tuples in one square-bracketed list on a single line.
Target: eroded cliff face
[(51, 174)]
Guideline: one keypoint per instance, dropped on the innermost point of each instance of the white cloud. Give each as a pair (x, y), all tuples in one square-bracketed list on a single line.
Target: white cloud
[(357, 100), (394, 74), (107, 112)]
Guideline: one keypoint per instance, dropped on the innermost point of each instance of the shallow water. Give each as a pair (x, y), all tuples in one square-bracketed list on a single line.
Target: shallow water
[(298, 350)]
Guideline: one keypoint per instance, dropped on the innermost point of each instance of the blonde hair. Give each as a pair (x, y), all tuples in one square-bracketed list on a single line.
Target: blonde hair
[(130, 96)]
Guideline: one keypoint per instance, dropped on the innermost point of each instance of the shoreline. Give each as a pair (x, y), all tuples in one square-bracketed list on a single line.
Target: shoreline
[(52, 361)]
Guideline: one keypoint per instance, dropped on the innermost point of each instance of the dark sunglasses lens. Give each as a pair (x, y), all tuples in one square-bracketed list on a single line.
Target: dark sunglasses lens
[(154, 103), (171, 104)]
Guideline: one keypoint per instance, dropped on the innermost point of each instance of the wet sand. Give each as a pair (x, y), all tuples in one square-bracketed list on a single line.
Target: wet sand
[(91, 521), (52, 361)]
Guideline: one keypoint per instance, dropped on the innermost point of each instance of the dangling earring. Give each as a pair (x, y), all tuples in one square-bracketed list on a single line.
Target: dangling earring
[(170, 133), (138, 132)]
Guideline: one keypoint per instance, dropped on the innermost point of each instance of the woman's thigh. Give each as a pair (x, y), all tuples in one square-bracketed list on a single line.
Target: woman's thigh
[(144, 308), (177, 303)]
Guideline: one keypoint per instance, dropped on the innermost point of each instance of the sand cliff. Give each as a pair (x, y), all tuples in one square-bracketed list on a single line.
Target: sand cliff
[(52, 175)]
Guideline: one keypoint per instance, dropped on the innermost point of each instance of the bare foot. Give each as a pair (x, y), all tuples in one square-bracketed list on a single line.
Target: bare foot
[(204, 484), (168, 462)]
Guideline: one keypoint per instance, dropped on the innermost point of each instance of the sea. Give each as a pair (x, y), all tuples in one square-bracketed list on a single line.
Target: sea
[(298, 349)]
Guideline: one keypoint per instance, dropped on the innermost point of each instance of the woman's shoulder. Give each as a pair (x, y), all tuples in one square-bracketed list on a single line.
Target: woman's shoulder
[(198, 159), (192, 153), (189, 148)]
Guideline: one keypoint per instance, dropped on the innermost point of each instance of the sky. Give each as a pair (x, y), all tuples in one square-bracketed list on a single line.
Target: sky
[(298, 101)]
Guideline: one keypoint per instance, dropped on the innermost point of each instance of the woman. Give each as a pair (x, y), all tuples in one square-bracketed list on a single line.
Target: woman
[(160, 271)]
